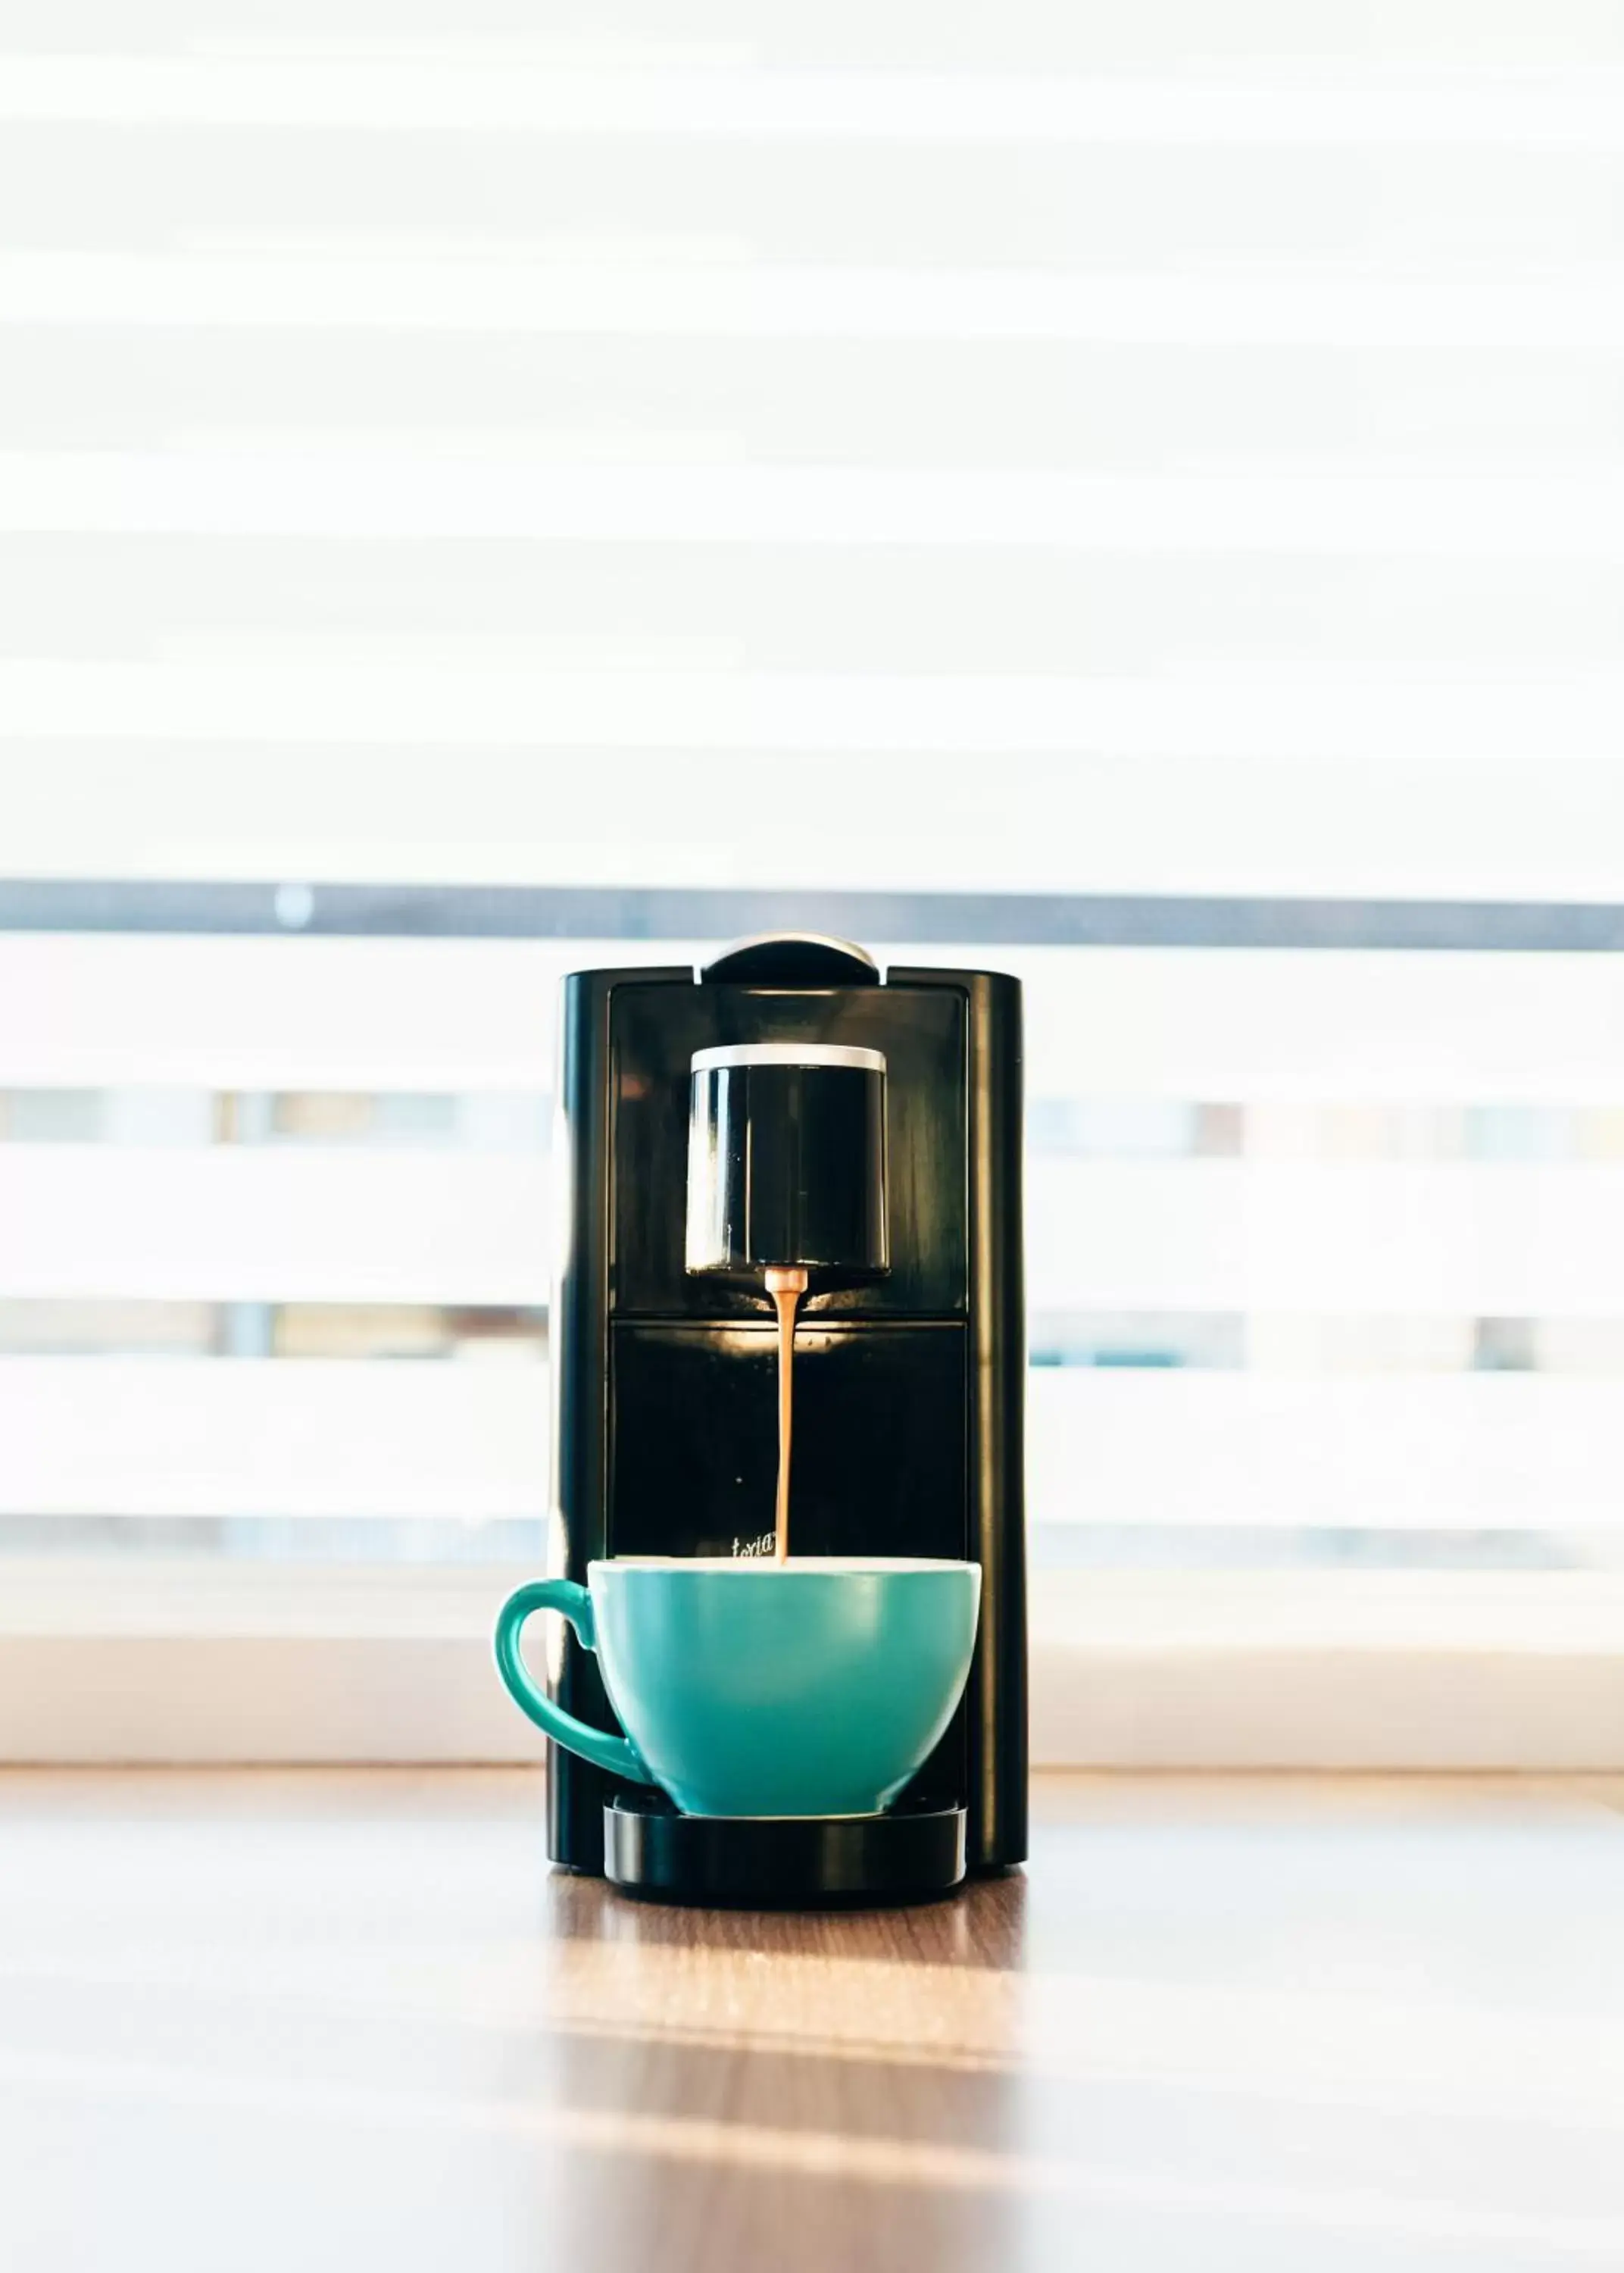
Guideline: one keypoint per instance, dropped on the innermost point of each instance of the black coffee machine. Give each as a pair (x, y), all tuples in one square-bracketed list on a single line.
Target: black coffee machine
[(790, 1097)]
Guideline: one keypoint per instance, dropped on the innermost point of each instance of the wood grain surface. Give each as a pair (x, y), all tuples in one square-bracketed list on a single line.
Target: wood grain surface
[(312, 2020)]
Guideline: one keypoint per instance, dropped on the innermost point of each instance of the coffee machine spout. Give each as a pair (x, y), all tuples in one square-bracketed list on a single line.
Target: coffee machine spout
[(787, 1162)]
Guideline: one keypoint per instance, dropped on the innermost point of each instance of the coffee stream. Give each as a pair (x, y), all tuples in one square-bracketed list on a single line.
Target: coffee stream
[(786, 1288)]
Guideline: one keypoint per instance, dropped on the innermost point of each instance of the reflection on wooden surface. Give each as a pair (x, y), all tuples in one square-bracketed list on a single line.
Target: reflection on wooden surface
[(254, 2020)]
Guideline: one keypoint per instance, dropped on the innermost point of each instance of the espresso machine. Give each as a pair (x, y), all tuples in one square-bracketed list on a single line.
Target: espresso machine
[(790, 1108)]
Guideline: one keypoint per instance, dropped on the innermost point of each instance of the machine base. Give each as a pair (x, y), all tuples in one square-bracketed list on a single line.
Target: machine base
[(911, 1854)]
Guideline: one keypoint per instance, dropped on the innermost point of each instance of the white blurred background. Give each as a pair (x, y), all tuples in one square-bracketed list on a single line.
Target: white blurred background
[(1128, 496)]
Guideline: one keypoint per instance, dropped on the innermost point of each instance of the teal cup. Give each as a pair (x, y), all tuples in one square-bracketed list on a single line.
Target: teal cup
[(812, 1687)]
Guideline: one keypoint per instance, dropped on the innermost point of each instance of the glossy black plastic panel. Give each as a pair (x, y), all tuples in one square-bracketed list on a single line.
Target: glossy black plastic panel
[(995, 1700), (578, 1370), (880, 1440), (911, 1853), (787, 1169), (794, 958), (921, 1033)]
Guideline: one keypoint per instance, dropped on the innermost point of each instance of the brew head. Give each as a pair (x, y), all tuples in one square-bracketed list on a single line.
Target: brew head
[(787, 1162)]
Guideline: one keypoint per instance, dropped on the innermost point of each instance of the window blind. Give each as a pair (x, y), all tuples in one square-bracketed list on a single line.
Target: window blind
[(1077, 473)]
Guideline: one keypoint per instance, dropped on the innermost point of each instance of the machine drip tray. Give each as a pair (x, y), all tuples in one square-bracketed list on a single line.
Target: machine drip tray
[(913, 1852)]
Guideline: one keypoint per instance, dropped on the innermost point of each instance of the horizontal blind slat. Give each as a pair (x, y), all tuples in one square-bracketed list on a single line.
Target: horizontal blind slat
[(271, 1014), (1467, 1452), (882, 33), (835, 401), (1465, 1028), (772, 605), (1465, 515), (92, 1222), (1303, 716), (1286, 305), (1544, 825), (1110, 207), (381, 92), (167, 1436), (1479, 1238)]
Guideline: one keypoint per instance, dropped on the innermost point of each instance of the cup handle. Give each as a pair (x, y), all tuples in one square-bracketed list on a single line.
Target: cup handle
[(618, 1755)]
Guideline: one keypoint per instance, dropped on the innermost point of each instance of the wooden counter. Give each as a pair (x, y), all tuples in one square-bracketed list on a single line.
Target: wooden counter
[(310, 2020)]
